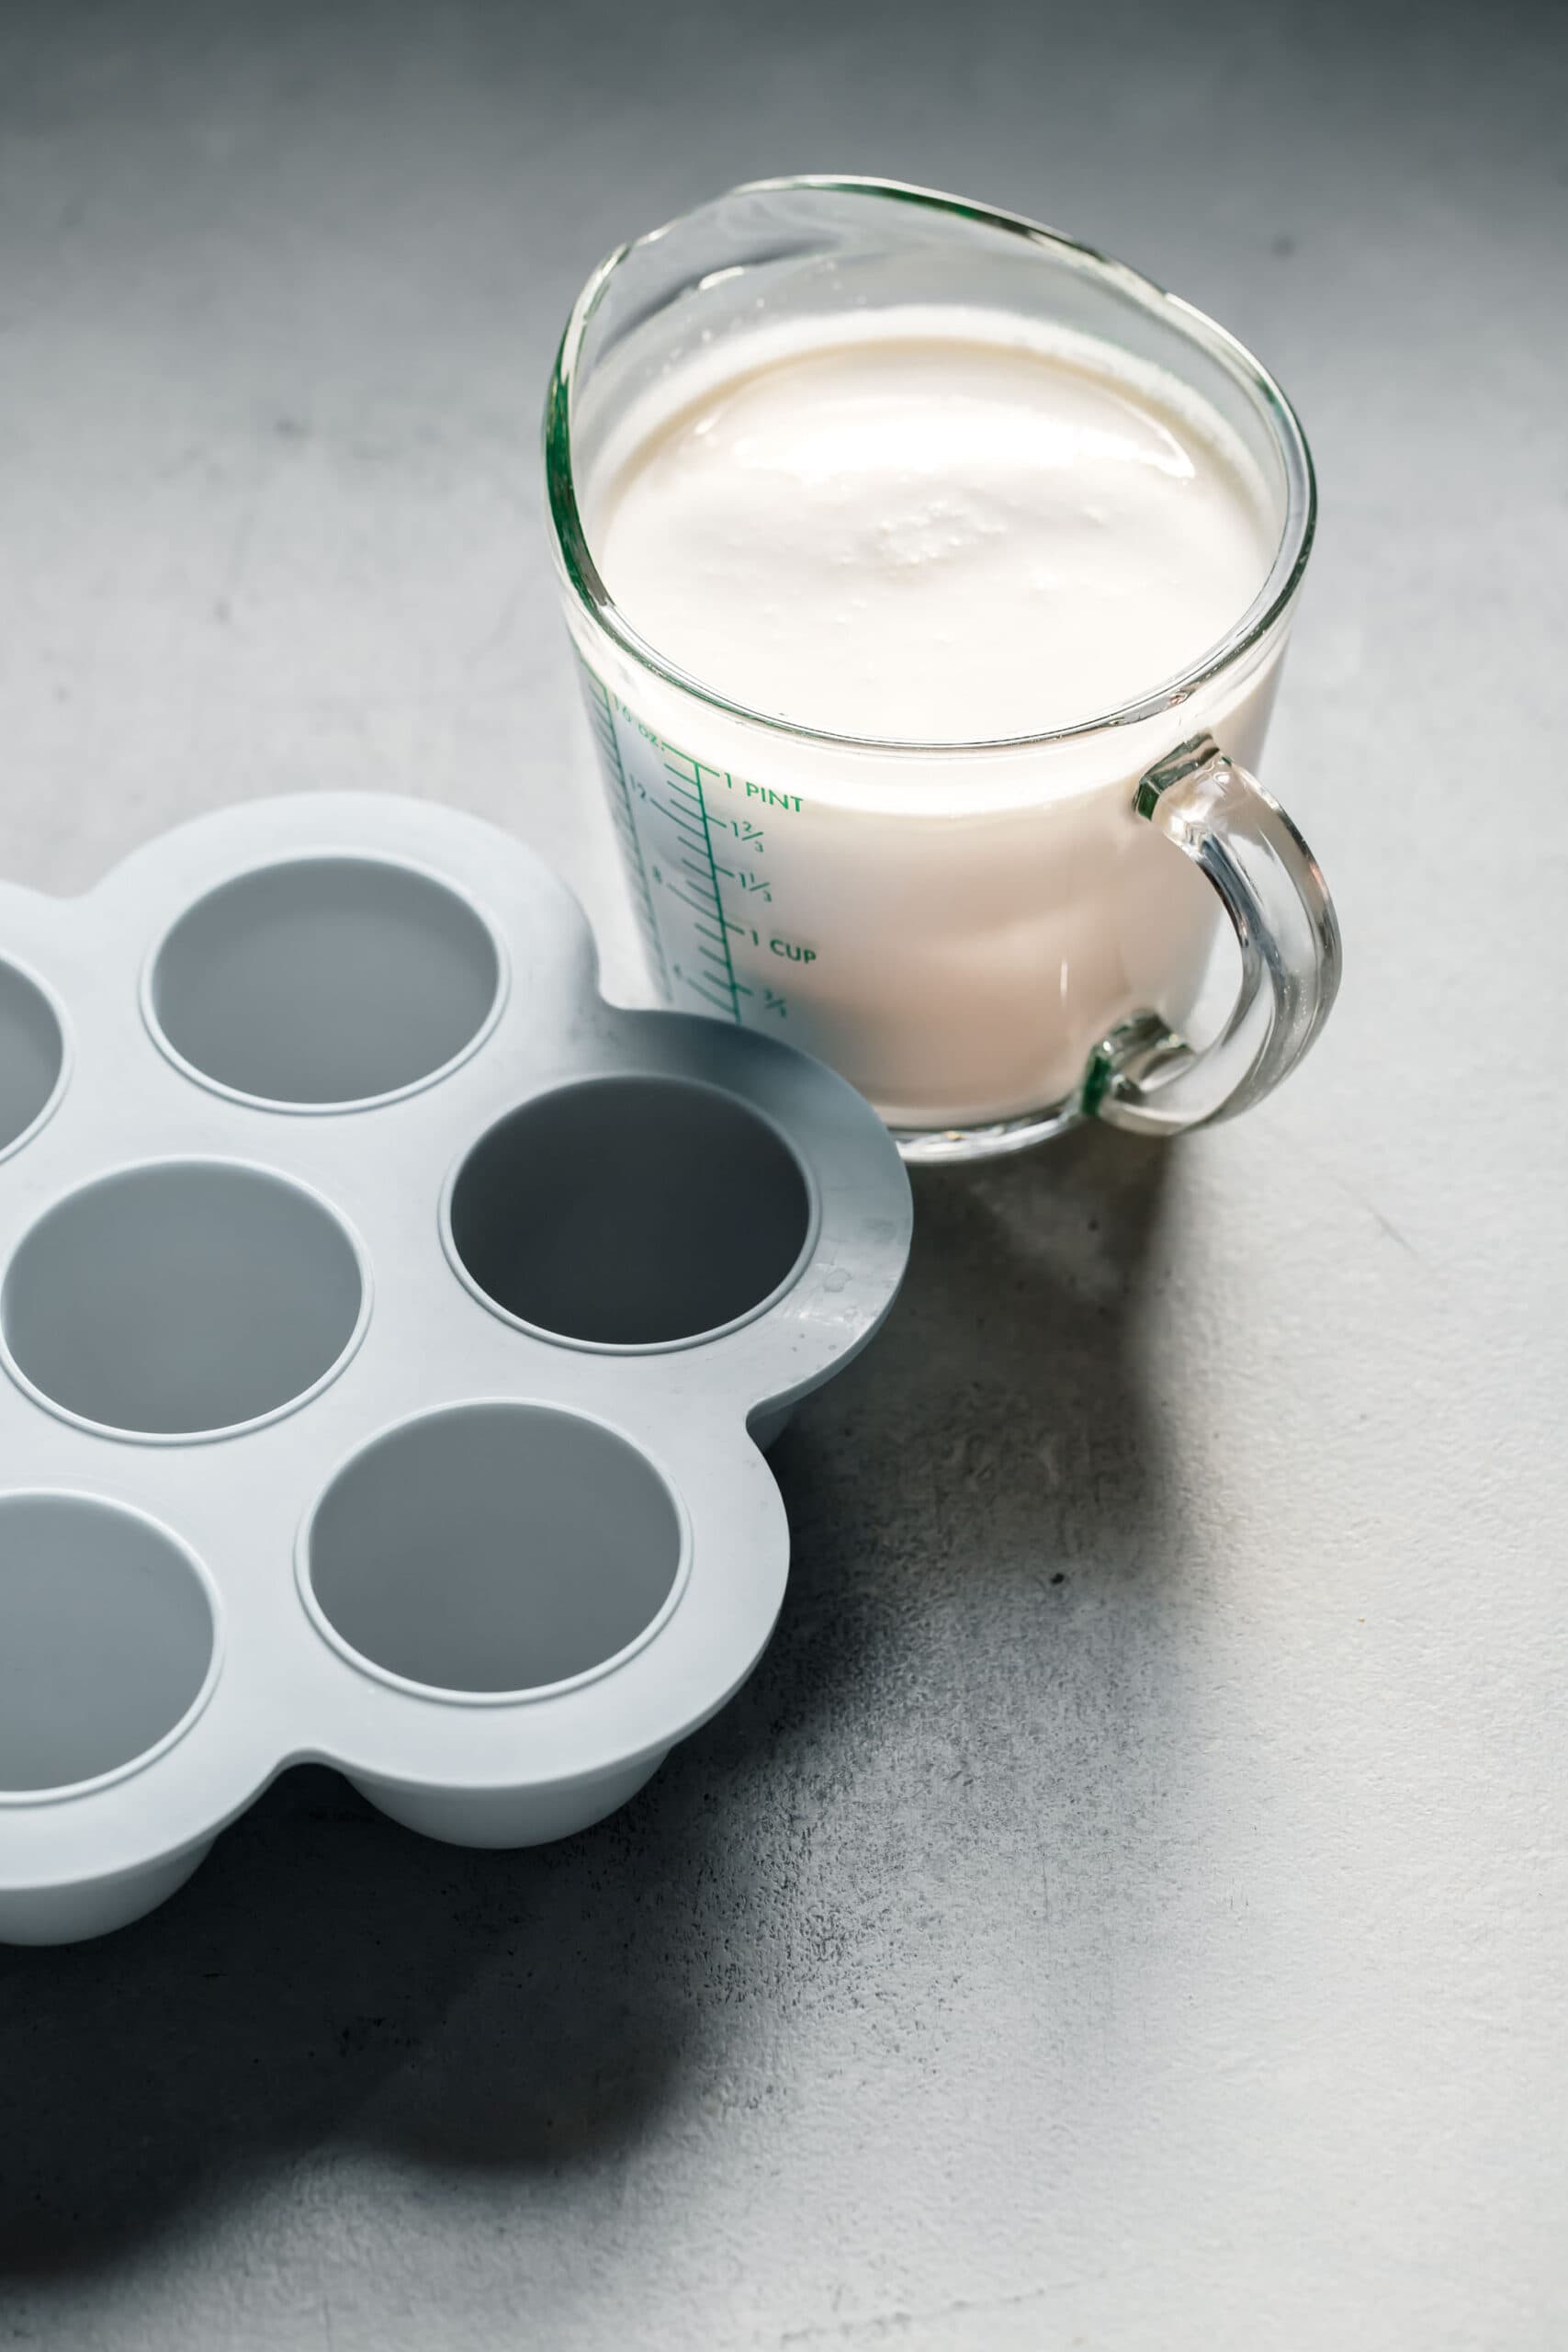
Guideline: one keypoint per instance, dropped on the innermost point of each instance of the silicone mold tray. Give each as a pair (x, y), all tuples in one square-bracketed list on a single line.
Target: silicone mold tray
[(390, 1329)]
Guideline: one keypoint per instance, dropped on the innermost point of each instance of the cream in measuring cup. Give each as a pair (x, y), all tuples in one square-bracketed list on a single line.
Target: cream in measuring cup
[(933, 526), (930, 575), (926, 526)]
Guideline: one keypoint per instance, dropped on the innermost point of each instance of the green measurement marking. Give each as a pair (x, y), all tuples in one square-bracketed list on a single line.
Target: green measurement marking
[(732, 983), (605, 728), (708, 968)]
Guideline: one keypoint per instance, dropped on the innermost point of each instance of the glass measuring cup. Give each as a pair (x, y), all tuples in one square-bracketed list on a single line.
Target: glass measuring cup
[(993, 939)]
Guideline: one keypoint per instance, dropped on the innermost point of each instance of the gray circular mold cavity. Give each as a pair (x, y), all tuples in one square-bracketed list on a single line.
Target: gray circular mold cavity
[(631, 1212), (324, 983), (107, 1639), (32, 1054), (182, 1298), (494, 1549)]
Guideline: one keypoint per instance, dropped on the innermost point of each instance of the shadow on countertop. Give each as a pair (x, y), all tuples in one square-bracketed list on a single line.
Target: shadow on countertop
[(328, 1977)]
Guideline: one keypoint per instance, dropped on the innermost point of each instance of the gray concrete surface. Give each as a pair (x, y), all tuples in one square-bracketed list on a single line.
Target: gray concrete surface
[(1127, 1909)]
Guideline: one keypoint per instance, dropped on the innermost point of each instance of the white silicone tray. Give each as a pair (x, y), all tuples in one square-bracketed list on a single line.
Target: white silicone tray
[(389, 1329)]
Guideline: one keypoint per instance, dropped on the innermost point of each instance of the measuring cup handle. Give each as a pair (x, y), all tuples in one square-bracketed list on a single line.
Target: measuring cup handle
[(1145, 1077)]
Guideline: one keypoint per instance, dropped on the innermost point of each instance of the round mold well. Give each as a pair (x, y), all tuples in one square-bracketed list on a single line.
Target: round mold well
[(32, 1056), (324, 983), (630, 1213), (494, 1550), (183, 1299), (109, 1642)]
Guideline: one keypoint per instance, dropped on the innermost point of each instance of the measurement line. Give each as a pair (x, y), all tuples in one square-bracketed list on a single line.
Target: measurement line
[(602, 714), (698, 905), (693, 874), (718, 905), (697, 989)]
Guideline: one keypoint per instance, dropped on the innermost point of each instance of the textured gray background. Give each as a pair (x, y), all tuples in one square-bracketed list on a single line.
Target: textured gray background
[(1127, 1907)]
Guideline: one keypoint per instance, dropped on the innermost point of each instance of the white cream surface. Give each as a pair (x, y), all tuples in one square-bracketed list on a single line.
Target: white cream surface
[(934, 525), (904, 530)]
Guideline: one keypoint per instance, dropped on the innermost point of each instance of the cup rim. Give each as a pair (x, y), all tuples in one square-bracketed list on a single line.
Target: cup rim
[(20, 969), (582, 572), (116, 1506), (282, 863), (549, 1092), (207, 1162), (527, 1694)]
